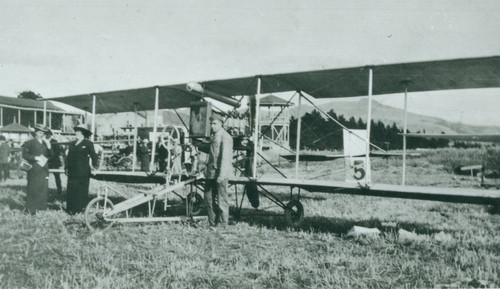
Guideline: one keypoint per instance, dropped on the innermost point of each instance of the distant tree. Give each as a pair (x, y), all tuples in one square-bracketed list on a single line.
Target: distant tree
[(320, 133), (342, 119), (29, 95), (352, 123), (361, 124)]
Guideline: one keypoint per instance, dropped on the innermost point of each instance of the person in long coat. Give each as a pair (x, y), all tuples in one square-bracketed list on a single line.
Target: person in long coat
[(219, 169), (4, 159), (37, 151), (143, 152), (56, 160), (78, 170)]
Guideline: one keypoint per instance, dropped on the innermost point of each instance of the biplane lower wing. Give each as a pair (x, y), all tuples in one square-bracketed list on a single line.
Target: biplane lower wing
[(123, 177), (453, 195), (312, 158), (129, 177), (326, 157)]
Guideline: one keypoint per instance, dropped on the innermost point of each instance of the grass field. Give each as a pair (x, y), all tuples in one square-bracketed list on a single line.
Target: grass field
[(455, 245)]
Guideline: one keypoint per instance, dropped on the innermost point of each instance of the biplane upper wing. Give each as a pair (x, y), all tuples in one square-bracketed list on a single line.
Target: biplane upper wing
[(387, 78), (478, 72), (462, 137), (171, 96)]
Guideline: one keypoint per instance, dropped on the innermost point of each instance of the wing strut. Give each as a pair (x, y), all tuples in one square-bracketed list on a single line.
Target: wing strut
[(297, 147), (134, 157), (93, 117), (256, 130), (153, 149), (368, 123), (404, 135)]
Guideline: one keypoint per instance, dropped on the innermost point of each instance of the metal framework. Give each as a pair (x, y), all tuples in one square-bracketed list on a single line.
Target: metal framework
[(102, 213)]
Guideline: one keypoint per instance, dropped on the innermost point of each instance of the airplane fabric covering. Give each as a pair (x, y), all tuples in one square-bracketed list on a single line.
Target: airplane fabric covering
[(388, 78), (479, 72), (170, 97)]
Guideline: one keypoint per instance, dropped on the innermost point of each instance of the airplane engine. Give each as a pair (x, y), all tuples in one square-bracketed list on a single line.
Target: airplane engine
[(198, 88)]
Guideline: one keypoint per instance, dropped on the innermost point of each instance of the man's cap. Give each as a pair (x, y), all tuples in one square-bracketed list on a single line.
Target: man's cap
[(217, 117)]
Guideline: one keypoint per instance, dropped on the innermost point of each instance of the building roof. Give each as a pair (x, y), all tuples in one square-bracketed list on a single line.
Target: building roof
[(272, 100), (27, 103), (15, 127)]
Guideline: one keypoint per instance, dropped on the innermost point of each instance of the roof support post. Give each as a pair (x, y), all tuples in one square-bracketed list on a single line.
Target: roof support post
[(256, 130), (134, 156), (1, 115), (404, 136), (93, 117), (153, 149), (369, 118), (297, 144), (45, 113)]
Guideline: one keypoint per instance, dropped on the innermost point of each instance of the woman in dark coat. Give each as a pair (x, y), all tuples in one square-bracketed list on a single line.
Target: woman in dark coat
[(143, 152), (37, 151), (78, 170)]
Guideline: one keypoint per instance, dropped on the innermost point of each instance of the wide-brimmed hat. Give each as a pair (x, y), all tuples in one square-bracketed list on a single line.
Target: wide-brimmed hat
[(83, 128), (39, 127)]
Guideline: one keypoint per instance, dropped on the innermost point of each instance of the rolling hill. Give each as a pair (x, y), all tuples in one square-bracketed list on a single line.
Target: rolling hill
[(389, 115)]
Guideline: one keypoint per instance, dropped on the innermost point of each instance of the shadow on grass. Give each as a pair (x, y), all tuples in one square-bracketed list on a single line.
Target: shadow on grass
[(494, 210), (15, 198), (336, 226)]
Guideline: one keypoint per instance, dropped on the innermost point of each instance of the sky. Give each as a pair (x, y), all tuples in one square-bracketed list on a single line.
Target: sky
[(59, 48)]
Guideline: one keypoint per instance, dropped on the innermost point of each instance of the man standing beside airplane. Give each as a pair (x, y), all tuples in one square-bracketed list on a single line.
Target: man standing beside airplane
[(219, 169)]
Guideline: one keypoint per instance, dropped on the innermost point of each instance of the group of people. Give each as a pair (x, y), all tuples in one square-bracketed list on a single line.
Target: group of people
[(166, 150), (43, 152), (4, 159)]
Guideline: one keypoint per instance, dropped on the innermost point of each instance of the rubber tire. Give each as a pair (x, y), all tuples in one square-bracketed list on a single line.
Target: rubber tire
[(252, 193), (125, 163), (294, 213), (90, 214)]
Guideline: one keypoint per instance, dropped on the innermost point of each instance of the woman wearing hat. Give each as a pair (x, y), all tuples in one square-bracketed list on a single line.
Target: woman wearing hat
[(37, 151), (143, 152), (78, 170)]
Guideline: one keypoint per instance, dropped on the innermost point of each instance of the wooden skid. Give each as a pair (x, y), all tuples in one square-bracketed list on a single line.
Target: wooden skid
[(454, 195), (156, 219), (145, 197)]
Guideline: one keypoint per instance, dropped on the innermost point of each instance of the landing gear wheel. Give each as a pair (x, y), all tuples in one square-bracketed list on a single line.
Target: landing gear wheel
[(196, 203), (169, 136), (125, 163), (94, 214), (294, 213)]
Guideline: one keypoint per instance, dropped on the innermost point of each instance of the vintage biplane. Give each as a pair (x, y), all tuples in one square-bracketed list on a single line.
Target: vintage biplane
[(471, 73)]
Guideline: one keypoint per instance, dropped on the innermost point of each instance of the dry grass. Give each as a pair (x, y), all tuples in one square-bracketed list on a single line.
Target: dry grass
[(457, 244)]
